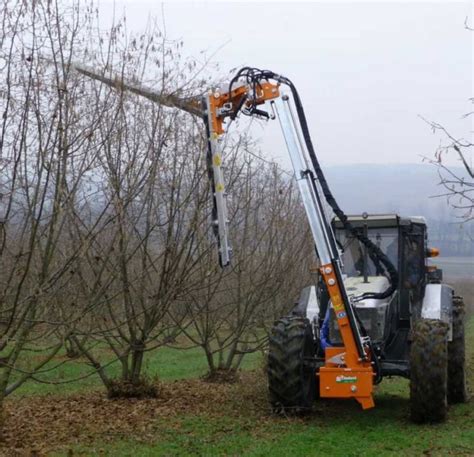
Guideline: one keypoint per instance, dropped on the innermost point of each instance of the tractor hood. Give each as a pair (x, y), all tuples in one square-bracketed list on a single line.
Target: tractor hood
[(356, 286), (371, 312)]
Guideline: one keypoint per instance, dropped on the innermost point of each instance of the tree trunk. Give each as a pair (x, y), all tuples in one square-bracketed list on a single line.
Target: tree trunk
[(125, 371), (3, 417), (209, 358), (137, 363)]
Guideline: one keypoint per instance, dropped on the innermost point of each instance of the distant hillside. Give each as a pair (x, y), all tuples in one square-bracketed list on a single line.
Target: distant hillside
[(404, 189)]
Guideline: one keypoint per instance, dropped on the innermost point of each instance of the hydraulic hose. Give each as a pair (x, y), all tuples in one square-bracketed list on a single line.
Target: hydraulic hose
[(373, 249), (253, 77)]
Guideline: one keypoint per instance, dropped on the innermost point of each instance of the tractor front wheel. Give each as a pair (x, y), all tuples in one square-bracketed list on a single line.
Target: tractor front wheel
[(291, 375), (429, 371)]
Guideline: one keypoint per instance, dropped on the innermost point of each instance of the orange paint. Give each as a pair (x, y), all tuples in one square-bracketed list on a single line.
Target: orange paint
[(344, 374), (432, 252), (265, 91), (347, 383)]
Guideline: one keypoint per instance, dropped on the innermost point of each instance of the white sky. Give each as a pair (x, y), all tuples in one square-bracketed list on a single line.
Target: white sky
[(365, 71)]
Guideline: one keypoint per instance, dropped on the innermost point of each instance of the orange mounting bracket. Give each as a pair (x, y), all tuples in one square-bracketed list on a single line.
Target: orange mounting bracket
[(345, 374), (222, 105)]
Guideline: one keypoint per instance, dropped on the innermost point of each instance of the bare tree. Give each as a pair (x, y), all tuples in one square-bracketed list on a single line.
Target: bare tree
[(151, 184), (105, 240), (48, 151), (458, 187), (229, 315), (100, 192)]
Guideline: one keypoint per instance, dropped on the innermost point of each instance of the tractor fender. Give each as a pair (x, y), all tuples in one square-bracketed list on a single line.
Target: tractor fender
[(438, 305), (308, 305)]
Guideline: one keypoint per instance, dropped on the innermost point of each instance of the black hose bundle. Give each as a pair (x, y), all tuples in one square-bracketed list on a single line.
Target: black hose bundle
[(253, 77)]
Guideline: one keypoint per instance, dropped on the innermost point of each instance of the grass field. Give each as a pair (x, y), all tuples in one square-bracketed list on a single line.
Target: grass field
[(455, 267), (193, 417), (167, 364)]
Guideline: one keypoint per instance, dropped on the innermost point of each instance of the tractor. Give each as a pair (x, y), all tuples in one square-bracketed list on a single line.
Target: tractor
[(417, 332)]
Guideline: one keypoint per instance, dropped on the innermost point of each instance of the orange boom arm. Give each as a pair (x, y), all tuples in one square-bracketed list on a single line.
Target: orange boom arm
[(348, 371)]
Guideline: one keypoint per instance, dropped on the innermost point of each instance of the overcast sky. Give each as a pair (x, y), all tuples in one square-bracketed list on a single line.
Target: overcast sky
[(365, 71)]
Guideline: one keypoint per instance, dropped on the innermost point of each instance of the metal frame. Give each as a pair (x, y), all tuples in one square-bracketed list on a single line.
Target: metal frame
[(225, 251), (348, 371), (312, 204)]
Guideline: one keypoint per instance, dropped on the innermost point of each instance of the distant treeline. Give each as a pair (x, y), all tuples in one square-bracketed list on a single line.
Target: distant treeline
[(453, 239), (407, 190)]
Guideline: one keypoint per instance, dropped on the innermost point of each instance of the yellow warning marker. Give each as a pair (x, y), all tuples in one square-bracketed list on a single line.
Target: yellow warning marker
[(217, 160)]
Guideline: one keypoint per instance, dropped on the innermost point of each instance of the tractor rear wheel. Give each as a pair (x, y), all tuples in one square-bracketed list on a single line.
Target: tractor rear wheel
[(457, 390), (429, 371), (291, 379)]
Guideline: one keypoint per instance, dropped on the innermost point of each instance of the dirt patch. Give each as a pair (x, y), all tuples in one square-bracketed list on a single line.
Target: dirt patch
[(146, 388), (222, 376), (36, 426)]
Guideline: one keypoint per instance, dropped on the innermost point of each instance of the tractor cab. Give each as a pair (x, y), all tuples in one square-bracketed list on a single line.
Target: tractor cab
[(403, 241)]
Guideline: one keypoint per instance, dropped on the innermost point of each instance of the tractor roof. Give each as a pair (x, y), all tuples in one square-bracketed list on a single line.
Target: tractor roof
[(381, 220)]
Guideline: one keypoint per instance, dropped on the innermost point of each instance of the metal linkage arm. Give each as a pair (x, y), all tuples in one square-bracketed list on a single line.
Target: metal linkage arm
[(355, 356), (217, 107), (219, 211), (322, 232), (304, 178)]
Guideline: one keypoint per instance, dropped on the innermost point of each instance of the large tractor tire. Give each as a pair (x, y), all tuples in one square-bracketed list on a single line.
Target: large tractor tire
[(429, 371), (457, 390), (291, 381)]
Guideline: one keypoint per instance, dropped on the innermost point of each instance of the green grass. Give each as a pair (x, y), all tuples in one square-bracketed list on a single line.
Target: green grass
[(168, 364), (336, 428)]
